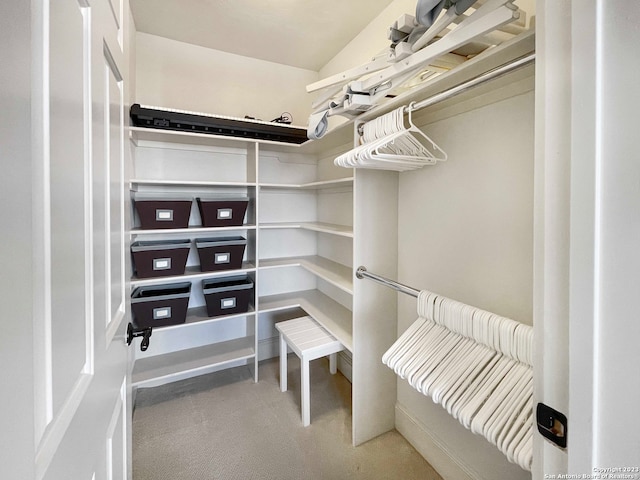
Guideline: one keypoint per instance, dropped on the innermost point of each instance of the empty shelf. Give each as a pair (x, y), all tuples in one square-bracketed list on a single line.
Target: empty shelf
[(333, 229), (171, 366), (338, 182), (326, 311), (335, 273)]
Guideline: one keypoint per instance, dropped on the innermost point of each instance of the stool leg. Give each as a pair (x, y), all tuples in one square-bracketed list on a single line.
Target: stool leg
[(283, 364), (304, 392), (333, 363)]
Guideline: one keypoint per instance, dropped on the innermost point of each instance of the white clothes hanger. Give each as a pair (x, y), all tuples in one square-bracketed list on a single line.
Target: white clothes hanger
[(390, 145)]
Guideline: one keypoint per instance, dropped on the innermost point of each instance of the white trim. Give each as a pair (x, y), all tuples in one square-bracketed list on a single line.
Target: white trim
[(123, 242), (41, 222), (88, 195), (268, 348), (114, 325), (108, 64), (56, 429), (119, 411), (434, 451), (345, 365), (597, 227), (113, 318)]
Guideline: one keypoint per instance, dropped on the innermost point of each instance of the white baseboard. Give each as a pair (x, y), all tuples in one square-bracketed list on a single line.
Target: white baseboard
[(268, 348), (345, 365), (448, 465)]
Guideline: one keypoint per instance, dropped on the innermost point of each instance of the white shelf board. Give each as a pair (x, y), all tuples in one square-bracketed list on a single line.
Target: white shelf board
[(326, 311), (189, 230), (338, 182), (199, 315), (332, 272), (186, 183), (141, 135), (192, 273), (333, 229), (164, 367)]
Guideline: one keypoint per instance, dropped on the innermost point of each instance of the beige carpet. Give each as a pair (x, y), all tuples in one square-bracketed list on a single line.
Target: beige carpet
[(224, 426)]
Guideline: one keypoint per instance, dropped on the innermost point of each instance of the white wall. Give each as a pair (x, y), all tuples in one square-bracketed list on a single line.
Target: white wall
[(370, 41), (188, 77), (465, 230)]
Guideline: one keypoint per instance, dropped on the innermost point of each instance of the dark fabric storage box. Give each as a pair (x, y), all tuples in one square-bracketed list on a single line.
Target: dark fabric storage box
[(224, 253), (163, 213), (222, 212), (160, 258), (228, 295), (160, 305)]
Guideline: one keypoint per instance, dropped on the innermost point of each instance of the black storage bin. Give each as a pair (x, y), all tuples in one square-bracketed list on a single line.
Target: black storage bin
[(224, 253), (160, 305), (228, 295), (222, 212), (155, 213), (160, 258)]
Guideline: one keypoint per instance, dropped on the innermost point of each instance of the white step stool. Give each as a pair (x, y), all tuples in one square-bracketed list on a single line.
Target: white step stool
[(309, 341)]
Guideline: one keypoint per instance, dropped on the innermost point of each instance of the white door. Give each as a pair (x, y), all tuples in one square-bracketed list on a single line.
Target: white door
[(588, 231), (81, 385)]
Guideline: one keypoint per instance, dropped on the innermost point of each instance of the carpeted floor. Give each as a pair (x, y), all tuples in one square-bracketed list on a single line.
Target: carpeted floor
[(223, 426)]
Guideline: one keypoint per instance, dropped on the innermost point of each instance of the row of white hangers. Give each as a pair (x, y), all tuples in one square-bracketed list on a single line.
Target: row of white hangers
[(502, 334), (479, 371), (388, 144)]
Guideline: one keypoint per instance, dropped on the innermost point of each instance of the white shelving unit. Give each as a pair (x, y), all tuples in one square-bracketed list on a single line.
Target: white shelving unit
[(290, 230), (175, 164)]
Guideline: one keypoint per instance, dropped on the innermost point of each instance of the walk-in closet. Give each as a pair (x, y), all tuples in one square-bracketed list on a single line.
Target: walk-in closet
[(375, 239)]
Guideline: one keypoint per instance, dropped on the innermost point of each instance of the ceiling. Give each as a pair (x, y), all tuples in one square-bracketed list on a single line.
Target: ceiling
[(301, 33)]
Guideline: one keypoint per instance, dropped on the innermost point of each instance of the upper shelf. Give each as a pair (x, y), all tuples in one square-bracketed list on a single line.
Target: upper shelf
[(342, 134), (338, 182), (489, 59), (141, 135)]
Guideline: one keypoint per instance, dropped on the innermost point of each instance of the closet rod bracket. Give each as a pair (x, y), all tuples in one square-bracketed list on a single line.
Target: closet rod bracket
[(359, 272)]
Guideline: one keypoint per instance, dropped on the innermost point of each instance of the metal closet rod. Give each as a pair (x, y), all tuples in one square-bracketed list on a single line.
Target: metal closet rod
[(475, 81), (362, 272)]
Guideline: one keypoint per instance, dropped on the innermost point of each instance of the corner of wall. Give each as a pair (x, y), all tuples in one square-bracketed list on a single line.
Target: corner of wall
[(370, 41)]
